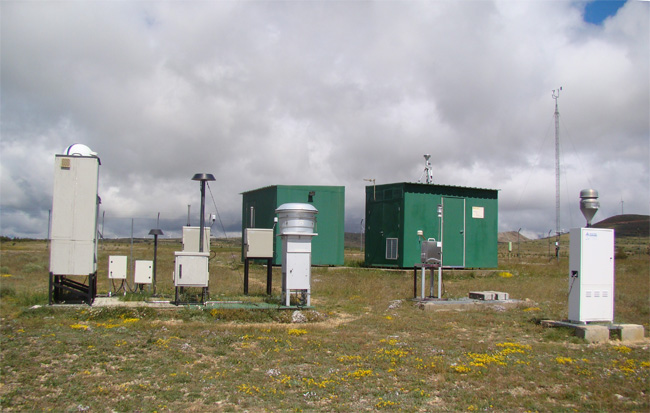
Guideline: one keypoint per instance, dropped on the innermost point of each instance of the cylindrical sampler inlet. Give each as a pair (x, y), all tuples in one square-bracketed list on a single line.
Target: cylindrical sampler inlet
[(589, 204), (295, 218)]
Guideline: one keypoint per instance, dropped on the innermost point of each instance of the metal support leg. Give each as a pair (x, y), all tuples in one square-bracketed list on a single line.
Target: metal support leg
[(415, 282), (423, 281), (269, 276), (246, 268), (51, 291)]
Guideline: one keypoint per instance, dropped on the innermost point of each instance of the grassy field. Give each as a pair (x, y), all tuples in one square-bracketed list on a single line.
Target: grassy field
[(364, 346)]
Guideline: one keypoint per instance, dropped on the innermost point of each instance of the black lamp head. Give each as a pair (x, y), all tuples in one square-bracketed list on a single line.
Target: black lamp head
[(203, 177)]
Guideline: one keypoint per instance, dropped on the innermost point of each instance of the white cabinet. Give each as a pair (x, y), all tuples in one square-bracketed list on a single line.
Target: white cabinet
[(74, 215), (143, 271), (258, 243), (117, 267), (191, 239), (191, 269), (591, 275)]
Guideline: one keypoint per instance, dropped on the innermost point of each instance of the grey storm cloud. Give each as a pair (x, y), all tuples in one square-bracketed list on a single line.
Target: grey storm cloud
[(323, 93)]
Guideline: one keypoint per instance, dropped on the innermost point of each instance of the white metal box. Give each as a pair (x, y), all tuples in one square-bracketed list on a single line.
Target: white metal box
[(296, 262), (74, 215), (191, 269), (143, 271), (591, 275), (117, 267), (191, 239), (258, 243)]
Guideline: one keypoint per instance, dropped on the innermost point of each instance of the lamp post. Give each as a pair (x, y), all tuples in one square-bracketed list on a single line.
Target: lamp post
[(155, 232), (202, 178)]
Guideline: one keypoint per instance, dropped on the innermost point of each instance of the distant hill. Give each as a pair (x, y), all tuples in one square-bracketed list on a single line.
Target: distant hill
[(627, 225), (352, 240), (510, 236)]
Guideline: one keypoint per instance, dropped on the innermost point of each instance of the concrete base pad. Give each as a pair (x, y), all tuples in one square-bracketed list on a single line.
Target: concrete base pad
[(465, 304), (597, 333), (630, 332), (223, 305)]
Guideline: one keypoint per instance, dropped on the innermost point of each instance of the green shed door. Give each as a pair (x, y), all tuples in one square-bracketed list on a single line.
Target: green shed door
[(453, 241)]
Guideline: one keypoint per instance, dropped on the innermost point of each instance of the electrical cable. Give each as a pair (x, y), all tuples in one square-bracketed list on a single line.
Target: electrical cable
[(118, 289), (572, 281), (134, 289), (232, 255), (533, 167)]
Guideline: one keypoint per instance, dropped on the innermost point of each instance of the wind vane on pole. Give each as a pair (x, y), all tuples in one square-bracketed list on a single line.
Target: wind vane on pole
[(428, 170)]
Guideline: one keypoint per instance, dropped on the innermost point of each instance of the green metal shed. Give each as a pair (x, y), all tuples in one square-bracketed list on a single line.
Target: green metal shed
[(395, 212), (258, 211)]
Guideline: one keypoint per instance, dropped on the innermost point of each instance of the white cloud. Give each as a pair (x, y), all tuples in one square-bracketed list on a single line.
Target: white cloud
[(326, 93)]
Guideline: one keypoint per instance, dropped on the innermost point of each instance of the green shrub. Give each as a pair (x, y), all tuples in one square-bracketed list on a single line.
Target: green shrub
[(32, 267), (6, 291)]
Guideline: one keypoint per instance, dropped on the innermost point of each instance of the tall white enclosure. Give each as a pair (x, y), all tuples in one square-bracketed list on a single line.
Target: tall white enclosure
[(190, 265), (74, 215), (296, 225), (591, 275)]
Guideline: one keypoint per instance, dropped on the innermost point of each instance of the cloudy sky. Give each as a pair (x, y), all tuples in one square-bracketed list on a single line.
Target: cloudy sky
[(323, 93)]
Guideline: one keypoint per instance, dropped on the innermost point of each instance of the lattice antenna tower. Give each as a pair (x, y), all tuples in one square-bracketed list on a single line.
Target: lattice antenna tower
[(556, 95), (428, 170)]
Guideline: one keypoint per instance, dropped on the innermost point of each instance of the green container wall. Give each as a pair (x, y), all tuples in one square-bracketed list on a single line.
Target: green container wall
[(400, 210), (327, 246)]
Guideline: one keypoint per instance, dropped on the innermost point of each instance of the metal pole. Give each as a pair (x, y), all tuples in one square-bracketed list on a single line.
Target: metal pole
[(155, 258), (423, 282), (188, 215), (132, 263), (556, 95), (441, 217), (202, 218)]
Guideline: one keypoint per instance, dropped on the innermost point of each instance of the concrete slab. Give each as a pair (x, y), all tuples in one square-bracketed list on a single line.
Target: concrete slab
[(116, 302), (465, 304), (593, 333), (224, 305), (630, 332), (597, 333)]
